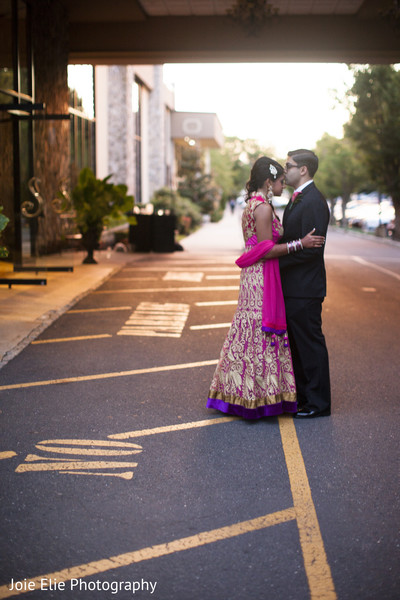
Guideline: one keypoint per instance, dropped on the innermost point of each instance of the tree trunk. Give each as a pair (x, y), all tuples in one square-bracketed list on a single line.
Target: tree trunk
[(345, 199)]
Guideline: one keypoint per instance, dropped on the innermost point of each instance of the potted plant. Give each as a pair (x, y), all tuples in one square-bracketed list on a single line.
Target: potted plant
[(95, 201)]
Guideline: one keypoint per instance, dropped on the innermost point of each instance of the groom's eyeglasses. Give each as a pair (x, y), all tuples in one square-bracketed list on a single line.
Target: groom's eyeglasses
[(291, 165)]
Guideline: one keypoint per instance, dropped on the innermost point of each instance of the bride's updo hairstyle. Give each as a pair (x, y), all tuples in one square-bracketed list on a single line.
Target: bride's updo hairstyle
[(264, 168)]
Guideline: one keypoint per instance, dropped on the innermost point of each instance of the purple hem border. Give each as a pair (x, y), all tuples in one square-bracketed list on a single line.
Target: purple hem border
[(270, 410), (272, 330)]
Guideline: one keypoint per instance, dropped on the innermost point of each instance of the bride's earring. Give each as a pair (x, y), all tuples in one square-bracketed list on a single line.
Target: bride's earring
[(270, 194)]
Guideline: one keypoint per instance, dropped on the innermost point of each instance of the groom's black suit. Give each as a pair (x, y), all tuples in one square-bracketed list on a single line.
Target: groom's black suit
[(304, 288)]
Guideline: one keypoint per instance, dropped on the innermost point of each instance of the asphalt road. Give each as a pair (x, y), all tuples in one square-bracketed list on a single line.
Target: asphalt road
[(117, 482)]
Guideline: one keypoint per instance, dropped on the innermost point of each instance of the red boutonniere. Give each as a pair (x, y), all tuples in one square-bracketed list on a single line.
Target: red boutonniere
[(295, 200)]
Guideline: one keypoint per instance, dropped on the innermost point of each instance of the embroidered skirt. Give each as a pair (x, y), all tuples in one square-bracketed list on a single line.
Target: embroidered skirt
[(254, 376)]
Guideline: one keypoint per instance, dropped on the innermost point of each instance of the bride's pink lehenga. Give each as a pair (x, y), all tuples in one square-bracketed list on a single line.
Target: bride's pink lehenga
[(254, 376)]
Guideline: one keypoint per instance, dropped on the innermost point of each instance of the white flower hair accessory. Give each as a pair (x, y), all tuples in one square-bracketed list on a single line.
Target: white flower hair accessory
[(273, 170)]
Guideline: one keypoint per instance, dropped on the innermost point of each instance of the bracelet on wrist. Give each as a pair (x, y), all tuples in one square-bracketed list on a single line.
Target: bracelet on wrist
[(294, 246)]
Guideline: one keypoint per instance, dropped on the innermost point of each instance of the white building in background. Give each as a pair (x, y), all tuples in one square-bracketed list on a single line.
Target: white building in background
[(137, 129)]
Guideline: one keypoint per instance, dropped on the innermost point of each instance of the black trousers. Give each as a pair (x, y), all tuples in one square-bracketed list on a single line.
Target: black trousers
[(309, 352)]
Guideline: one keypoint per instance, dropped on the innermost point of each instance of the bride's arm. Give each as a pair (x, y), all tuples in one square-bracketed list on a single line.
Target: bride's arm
[(263, 215)]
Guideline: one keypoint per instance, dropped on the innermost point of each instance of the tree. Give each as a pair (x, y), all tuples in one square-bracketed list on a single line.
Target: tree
[(194, 183), (375, 128), (231, 164), (341, 172), (221, 167), (188, 215)]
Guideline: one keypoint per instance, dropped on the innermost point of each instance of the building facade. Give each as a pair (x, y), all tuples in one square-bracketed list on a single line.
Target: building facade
[(138, 130), (47, 134)]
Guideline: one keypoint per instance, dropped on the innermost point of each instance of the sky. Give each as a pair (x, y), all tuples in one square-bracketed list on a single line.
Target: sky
[(283, 106)]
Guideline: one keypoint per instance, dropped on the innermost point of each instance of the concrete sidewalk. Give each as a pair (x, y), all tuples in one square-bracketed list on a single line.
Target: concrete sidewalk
[(26, 310), (215, 238)]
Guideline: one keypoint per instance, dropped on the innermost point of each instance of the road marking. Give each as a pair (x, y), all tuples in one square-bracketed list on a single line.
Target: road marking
[(81, 466), (88, 310), (134, 279), (178, 545), (169, 428), (71, 465), (105, 443), (237, 276), (126, 475), (86, 451), (157, 320), (368, 289), (361, 261), (179, 266), (183, 276), (99, 376), (7, 454), (303, 512), (315, 560), (217, 303), (68, 447), (212, 326), (215, 288), (149, 333), (78, 338)]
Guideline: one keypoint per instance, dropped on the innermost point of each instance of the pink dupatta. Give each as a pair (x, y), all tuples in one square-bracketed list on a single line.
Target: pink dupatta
[(273, 309)]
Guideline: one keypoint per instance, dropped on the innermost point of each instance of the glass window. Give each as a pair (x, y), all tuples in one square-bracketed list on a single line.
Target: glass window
[(137, 136), (82, 130)]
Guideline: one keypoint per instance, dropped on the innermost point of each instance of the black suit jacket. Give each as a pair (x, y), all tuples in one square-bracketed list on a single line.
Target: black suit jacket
[(303, 273)]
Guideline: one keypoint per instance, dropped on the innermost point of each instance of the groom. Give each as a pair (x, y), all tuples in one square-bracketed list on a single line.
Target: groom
[(304, 286)]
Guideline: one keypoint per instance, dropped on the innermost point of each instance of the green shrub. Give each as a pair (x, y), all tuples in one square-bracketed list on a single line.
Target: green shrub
[(216, 215), (96, 201), (187, 214)]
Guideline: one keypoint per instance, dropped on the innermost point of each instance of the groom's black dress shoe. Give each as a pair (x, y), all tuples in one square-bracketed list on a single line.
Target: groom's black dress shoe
[(308, 413)]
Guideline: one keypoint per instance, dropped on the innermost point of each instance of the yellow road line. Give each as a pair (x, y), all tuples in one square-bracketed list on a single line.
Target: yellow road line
[(217, 303), (36, 457), (88, 310), (169, 428), (135, 279), (73, 339), (74, 465), (212, 326), (129, 558), (315, 560), (126, 475), (215, 288), (91, 443), (235, 276), (86, 451), (7, 454), (148, 333), (99, 376), (186, 266)]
